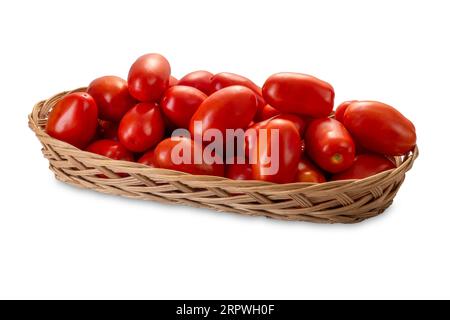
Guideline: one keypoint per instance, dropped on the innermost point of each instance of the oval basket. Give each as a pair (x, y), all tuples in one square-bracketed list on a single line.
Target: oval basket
[(347, 201)]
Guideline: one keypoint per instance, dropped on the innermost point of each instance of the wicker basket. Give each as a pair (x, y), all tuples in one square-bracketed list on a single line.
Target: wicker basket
[(331, 202)]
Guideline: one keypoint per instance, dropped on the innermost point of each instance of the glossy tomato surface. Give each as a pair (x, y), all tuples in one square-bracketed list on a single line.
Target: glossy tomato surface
[(148, 159), (112, 97), (173, 81), (200, 80), (329, 145), (111, 149), (299, 93), (308, 172), (230, 108), (142, 127), (276, 162), (365, 165), (298, 121), (340, 110), (149, 77), (380, 128), (239, 170), (266, 112), (179, 104), (171, 153), (74, 119)]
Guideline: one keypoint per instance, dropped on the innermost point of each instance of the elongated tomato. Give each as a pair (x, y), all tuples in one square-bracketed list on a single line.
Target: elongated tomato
[(230, 108), (365, 165), (329, 145), (380, 128), (299, 93), (276, 153), (149, 77), (308, 172), (239, 170), (148, 159), (200, 80), (74, 119), (340, 110)]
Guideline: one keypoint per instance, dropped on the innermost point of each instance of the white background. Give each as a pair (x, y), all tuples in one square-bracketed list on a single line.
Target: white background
[(61, 242)]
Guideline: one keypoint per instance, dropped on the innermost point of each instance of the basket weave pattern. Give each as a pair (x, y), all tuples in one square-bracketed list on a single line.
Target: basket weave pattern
[(331, 202)]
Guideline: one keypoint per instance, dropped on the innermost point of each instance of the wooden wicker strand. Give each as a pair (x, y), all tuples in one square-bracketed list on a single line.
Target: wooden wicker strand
[(347, 201)]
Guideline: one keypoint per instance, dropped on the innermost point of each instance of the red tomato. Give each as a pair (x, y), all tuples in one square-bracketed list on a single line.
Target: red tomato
[(229, 108), (111, 149), (170, 152), (112, 97), (365, 165), (179, 103), (330, 145), (380, 128), (299, 123), (340, 110), (239, 171), (273, 166), (149, 77), (308, 172), (74, 119), (107, 130), (267, 112), (200, 80), (227, 79), (173, 81), (299, 93), (142, 127), (148, 159)]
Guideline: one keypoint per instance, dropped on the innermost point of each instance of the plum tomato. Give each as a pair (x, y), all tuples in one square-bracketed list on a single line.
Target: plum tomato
[(149, 77), (110, 149), (200, 80), (74, 119), (107, 130), (267, 112), (365, 165), (380, 128), (299, 93), (340, 110), (308, 172), (179, 103), (239, 170), (329, 145), (173, 81), (142, 127), (148, 159), (112, 97)]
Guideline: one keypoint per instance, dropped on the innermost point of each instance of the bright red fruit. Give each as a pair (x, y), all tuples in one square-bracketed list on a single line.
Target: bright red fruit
[(142, 127), (148, 159), (299, 93), (340, 110), (380, 128), (229, 108), (74, 119), (111, 149), (173, 81), (239, 171), (198, 79), (149, 77), (308, 172), (170, 153), (330, 145), (112, 97), (365, 165), (276, 161), (179, 103), (267, 112)]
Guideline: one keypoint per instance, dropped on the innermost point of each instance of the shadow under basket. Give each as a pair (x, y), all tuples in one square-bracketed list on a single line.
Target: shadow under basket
[(347, 201)]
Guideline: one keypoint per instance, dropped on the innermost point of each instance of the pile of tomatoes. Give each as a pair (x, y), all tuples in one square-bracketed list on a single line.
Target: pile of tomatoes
[(133, 120)]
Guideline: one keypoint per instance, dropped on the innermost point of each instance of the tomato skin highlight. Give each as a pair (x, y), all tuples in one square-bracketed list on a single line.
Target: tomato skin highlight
[(200, 80), (149, 77), (179, 104), (289, 152), (329, 145), (380, 128), (299, 93), (340, 110), (230, 108), (308, 172), (110, 149), (142, 127), (163, 158), (148, 159), (112, 97), (74, 119), (365, 165)]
